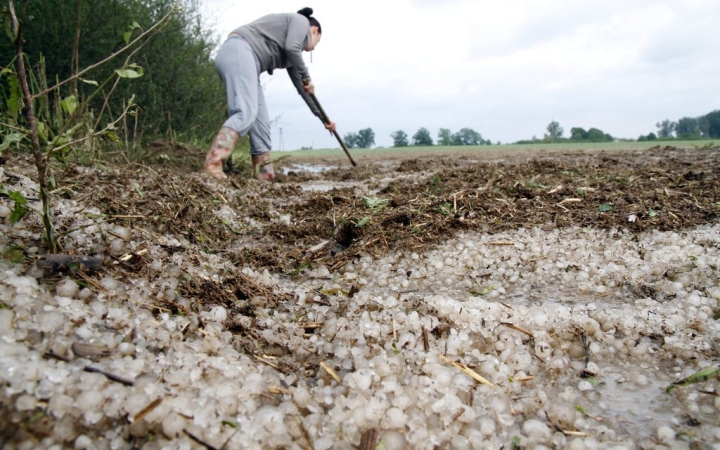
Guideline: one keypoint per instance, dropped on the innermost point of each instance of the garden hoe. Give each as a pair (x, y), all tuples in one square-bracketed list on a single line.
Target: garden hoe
[(325, 119)]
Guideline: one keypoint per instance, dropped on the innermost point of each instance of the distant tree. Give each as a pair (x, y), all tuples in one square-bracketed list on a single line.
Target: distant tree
[(710, 123), (422, 137), (649, 137), (444, 137), (596, 135), (400, 138), (578, 134), (366, 138), (665, 128), (457, 139), (687, 127), (351, 139), (467, 136), (555, 131)]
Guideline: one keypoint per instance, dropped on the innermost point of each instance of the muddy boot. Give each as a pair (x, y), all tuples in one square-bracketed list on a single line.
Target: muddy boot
[(262, 166), (221, 149)]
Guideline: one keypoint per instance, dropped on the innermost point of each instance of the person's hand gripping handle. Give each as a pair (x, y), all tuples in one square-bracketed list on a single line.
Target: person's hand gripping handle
[(329, 124)]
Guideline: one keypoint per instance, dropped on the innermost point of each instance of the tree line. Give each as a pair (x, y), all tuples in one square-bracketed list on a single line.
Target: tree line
[(555, 133), (365, 138), (687, 128)]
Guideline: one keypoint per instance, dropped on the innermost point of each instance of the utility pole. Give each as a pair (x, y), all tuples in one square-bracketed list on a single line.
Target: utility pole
[(281, 143)]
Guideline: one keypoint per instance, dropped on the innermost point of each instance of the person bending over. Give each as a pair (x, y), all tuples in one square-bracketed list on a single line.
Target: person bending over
[(275, 41)]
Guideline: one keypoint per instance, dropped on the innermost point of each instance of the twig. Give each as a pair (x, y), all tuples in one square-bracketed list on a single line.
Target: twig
[(587, 349), (474, 375), (90, 369), (263, 360), (109, 375), (146, 410), (330, 371), (280, 391), (199, 441), (516, 328), (457, 414), (304, 432), (570, 200), (426, 344), (40, 160), (507, 306), (369, 438), (565, 432)]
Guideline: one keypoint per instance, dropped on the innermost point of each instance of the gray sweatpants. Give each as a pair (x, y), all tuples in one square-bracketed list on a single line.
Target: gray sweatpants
[(247, 112)]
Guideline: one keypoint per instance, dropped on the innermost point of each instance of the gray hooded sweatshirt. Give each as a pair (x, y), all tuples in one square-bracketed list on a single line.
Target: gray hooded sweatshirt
[(278, 41)]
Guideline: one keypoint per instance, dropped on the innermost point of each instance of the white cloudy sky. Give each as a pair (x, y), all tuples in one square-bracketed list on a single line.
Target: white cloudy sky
[(504, 68)]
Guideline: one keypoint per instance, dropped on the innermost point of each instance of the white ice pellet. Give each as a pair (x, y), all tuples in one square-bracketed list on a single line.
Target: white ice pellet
[(666, 435), (173, 425), (6, 319), (89, 400), (117, 246), (216, 314), (82, 442), (122, 232), (109, 283), (537, 431), (394, 418), (25, 402), (67, 288), (391, 440)]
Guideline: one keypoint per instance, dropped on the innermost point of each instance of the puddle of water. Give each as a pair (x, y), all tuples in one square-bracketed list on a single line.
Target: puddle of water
[(638, 410), (317, 187), (311, 168)]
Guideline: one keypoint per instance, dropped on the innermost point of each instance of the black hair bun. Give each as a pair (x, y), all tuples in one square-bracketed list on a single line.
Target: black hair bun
[(307, 12)]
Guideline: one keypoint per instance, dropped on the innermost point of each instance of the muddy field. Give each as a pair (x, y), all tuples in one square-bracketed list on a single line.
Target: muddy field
[(303, 300)]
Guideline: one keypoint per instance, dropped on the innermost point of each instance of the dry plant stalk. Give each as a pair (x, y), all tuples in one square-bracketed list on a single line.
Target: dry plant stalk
[(82, 349), (305, 434), (263, 360), (570, 200), (517, 328), (330, 371), (198, 440), (369, 438), (474, 375), (90, 369), (280, 391), (146, 410)]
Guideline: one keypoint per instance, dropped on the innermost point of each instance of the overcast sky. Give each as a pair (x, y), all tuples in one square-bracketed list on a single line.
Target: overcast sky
[(505, 69)]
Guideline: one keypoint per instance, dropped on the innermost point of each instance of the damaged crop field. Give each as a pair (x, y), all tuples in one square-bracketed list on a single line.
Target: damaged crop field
[(558, 299)]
